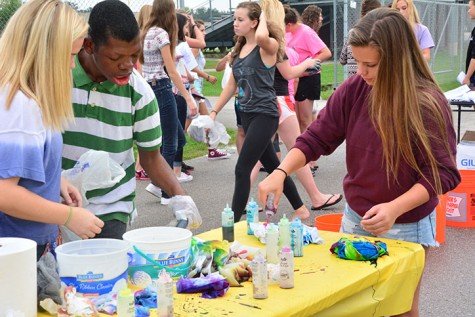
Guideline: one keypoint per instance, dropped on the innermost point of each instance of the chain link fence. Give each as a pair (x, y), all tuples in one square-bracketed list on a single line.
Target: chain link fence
[(448, 23)]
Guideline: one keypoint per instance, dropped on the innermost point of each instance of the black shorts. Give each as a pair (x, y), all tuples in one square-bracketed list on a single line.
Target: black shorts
[(308, 88)]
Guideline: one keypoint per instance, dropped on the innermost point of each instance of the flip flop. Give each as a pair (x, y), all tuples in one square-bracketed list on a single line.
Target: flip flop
[(326, 204)]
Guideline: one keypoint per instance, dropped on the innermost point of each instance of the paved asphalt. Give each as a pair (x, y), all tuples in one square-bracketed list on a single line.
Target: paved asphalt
[(448, 287)]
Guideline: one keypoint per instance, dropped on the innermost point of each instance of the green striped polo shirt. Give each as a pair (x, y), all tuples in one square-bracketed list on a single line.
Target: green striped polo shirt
[(111, 118)]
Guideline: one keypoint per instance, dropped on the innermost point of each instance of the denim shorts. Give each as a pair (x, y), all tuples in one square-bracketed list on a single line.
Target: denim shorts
[(422, 232)]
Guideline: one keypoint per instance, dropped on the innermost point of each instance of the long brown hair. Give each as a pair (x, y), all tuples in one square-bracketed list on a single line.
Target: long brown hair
[(403, 104), (275, 32), (311, 17), (163, 15)]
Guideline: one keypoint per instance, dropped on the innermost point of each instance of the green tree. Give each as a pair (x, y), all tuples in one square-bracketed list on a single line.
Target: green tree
[(204, 14), (7, 8)]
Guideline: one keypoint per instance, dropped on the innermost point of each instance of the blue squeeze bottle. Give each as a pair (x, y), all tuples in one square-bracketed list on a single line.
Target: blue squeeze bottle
[(296, 233), (252, 215)]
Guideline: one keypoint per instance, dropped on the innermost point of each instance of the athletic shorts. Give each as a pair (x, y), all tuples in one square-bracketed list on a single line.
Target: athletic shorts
[(308, 88), (422, 232), (286, 107)]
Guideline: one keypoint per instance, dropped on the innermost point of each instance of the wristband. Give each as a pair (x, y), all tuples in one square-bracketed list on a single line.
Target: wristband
[(208, 78), (214, 111), (279, 169), (194, 25), (69, 217)]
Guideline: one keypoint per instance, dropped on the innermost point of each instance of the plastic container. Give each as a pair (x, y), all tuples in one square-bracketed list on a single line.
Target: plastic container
[(227, 222), (125, 303), (94, 267), (154, 248), (329, 222), (440, 220), (460, 202)]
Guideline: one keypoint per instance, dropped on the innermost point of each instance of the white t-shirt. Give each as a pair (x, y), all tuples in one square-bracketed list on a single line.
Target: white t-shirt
[(184, 61)]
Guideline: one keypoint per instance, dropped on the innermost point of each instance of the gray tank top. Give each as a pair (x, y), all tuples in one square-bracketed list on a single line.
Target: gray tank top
[(255, 83)]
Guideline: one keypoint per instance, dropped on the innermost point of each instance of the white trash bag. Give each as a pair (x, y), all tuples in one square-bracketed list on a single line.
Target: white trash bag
[(217, 131), (94, 170)]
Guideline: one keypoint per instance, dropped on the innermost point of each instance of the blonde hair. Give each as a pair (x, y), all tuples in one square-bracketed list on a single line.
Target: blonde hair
[(144, 15), (35, 57), (274, 11), (413, 15), (403, 106)]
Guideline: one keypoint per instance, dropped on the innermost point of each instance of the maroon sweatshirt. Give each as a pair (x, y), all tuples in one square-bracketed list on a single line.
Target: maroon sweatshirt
[(345, 117)]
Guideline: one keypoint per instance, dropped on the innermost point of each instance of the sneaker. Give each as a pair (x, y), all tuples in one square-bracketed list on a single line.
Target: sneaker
[(154, 190), (165, 201), (184, 178), (215, 154), (141, 176)]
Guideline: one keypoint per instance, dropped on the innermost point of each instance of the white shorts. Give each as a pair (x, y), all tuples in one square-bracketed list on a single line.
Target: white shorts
[(286, 107)]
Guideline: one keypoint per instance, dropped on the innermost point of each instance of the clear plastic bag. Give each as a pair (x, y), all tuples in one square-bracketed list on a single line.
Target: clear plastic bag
[(216, 131), (94, 170)]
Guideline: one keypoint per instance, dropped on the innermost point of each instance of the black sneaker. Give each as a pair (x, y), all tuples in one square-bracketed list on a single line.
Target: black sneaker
[(186, 168)]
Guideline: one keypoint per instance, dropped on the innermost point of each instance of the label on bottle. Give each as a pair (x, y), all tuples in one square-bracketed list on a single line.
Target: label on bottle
[(286, 275)]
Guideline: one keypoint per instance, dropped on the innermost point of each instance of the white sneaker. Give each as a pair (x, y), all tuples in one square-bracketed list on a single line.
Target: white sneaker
[(165, 201), (184, 178), (154, 190)]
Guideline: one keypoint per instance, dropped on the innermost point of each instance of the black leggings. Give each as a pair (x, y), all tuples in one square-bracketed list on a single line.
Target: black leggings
[(257, 146)]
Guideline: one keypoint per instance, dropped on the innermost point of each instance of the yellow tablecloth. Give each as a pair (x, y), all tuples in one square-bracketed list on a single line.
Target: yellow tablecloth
[(325, 286)]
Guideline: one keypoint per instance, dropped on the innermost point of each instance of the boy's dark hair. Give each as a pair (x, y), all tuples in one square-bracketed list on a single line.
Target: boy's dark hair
[(112, 18), (291, 15)]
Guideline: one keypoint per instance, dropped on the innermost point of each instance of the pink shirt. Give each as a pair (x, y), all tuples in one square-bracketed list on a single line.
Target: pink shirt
[(305, 41), (293, 60)]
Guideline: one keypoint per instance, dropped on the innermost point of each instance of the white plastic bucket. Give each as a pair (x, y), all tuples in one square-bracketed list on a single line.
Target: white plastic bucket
[(155, 248), (94, 267)]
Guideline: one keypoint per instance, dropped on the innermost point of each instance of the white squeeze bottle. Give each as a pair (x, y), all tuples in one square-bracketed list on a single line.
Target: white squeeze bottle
[(286, 273), (272, 244), (125, 303), (164, 294), (259, 276)]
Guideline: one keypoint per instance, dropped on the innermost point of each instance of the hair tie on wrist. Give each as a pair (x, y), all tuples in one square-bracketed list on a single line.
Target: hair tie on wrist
[(214, 111), (279, 169), (69, 217)]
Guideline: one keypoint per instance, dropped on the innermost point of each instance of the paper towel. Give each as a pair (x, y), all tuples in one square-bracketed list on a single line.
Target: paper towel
[(18, 277)]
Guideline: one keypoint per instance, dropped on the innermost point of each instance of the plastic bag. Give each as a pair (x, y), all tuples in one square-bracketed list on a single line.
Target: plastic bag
[(227, 73), (216, 131), (93, 170), (184, 207)]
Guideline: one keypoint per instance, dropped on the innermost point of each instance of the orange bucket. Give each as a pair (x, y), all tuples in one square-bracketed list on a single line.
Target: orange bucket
[(440, 220), (460, 203), (329, 222)]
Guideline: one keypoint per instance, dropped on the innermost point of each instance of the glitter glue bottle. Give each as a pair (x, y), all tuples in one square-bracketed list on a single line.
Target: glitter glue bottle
[(286, 273), (272, 244), (269, 208), (125, 303), (259, 276), (252, 215), (227, 222), (296, 234), (284, 232), (164, 295)]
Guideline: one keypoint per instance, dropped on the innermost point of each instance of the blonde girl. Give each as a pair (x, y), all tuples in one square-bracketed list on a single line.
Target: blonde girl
[(36, 57)]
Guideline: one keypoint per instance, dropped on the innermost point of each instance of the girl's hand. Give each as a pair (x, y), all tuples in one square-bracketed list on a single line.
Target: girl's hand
[(84, 223), (274, 183), (379, 219), (213, 114), (70, 194), (192, 108), (211, 79)]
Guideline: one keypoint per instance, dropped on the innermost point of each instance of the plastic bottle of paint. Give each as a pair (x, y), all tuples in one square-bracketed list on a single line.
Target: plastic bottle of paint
[(296, 234), (164, 295), (259, 276), (284, 232), (286, 273), (227, 222), (252, 215), (125, 303), (272, 244), (269, 208)]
